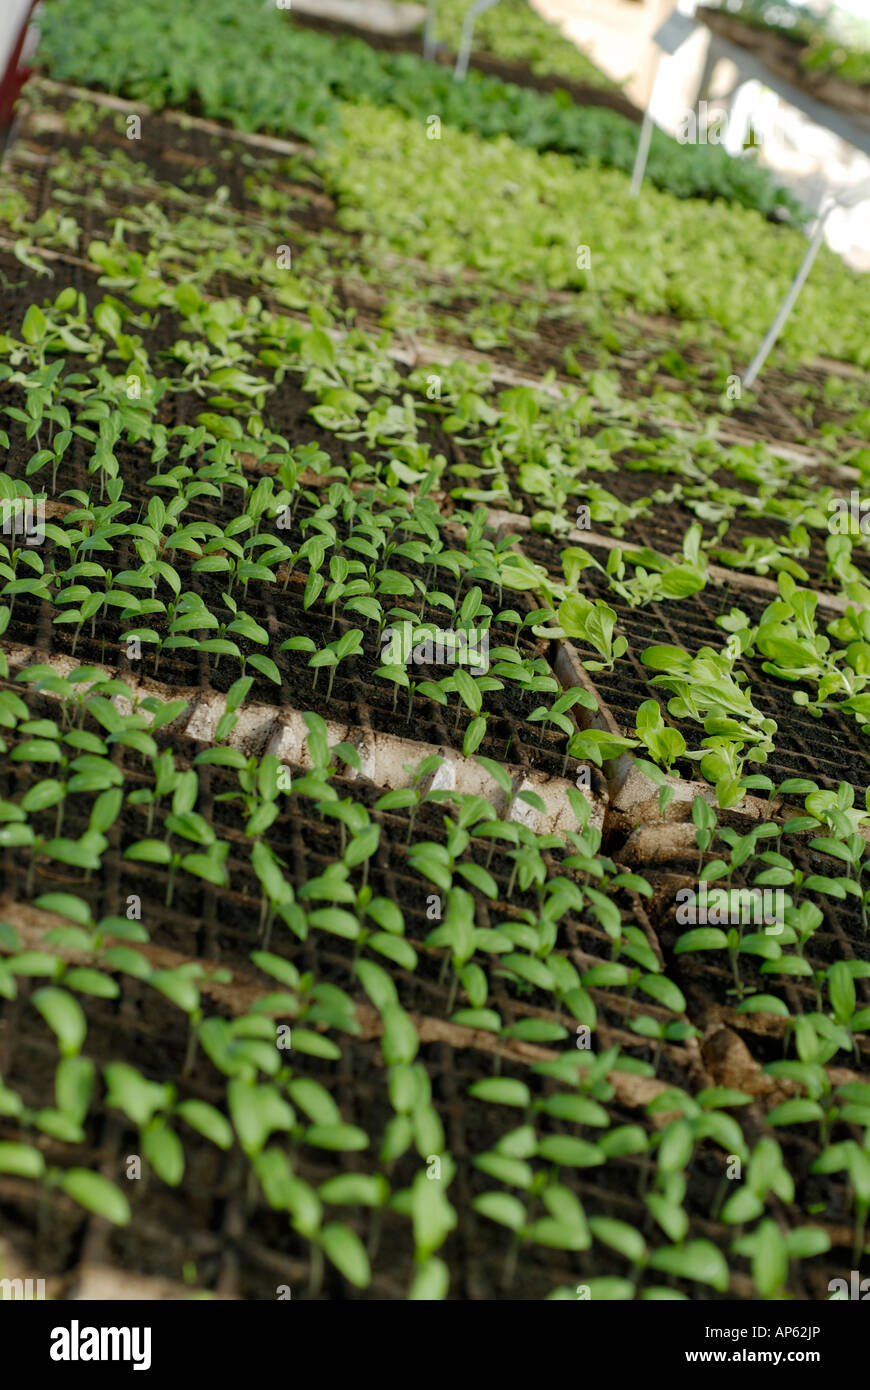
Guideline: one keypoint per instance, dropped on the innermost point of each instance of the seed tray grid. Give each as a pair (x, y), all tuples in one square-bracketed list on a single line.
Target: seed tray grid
[(171, 155), (829, 751), (360, 1092), (217, 1243), (708, 985), (229, 1272), (662, 525), (218, 925), (166, 159), (355, 699)]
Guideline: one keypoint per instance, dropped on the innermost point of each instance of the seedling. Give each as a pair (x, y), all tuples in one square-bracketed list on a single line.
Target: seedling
[(350, 644), (593, 624)]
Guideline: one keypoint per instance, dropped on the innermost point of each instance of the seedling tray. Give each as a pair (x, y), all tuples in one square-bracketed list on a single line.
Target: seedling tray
[(829, 750)]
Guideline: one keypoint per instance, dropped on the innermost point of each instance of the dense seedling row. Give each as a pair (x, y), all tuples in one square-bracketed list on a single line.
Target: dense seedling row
[(121, 793), (520, 34), (332, 957), (206, 209), (174, 62), (363, 574)]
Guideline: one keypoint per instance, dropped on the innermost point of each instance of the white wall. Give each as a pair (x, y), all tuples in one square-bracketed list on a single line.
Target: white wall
[(13, 14), (617, 34)]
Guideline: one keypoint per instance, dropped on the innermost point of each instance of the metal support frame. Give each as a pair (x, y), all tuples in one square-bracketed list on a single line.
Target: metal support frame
[(645, 138), (854, 129), (788, 303), (15, 20), (464, 53), (668, 38), (429, 29), (843, 198)]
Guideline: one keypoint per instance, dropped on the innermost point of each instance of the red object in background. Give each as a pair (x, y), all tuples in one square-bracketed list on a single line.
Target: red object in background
[(16, 46)]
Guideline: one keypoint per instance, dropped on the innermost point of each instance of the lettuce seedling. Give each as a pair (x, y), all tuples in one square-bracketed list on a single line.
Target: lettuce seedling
[(665, 744), (593, 624)]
